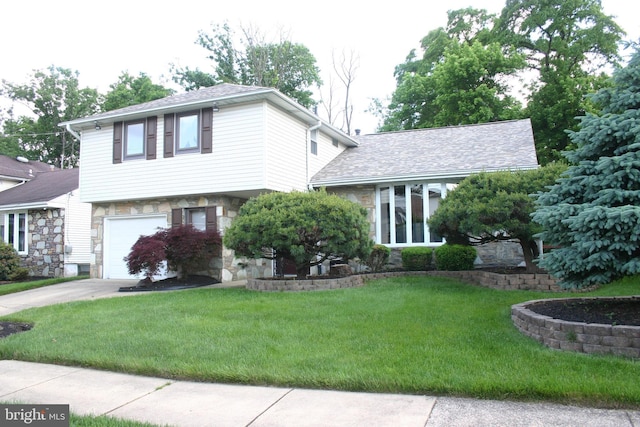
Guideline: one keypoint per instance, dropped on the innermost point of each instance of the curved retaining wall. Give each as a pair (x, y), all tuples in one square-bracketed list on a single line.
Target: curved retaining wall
[(575, 336)]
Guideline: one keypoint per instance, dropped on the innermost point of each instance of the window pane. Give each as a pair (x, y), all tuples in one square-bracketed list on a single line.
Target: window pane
[(22, 232), (188, 132), (385, 214), (11, 225), (135, 139), (197, 218), (417, 214), (435, 195), (400, 214)]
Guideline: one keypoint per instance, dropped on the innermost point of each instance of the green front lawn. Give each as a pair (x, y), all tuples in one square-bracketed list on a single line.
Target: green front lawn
[(418, 335)]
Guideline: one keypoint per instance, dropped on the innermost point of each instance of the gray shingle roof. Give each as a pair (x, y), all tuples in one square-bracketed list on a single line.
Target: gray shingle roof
[(185, 98), (434, 153), (45, 187), (11, 167)]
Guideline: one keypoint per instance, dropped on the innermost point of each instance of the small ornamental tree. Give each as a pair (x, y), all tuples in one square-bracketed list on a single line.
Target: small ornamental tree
[(495, 206), (305, 228), (592, 213), (185, 249)]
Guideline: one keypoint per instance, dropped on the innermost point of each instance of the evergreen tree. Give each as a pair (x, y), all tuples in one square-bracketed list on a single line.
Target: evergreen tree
[(592, 213)]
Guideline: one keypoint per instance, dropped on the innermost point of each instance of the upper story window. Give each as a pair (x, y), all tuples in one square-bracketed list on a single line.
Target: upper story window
[(134, 141), (187, 130), (15, 231), (314, 141), (403, 210)]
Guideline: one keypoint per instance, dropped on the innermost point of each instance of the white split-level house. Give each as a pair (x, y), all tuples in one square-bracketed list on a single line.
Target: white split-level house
[(196, 157)]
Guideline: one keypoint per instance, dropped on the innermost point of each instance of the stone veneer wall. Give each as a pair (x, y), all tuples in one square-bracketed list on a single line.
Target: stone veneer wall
[(45, 242), (363, 195), (226, 268), (621, 340)]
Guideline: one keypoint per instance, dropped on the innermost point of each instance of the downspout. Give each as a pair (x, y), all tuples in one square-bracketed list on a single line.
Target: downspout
[(75, 134), (308, 149)]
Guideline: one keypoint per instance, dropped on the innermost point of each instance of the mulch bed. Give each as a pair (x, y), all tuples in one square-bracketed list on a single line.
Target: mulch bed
[(170, 284), (10, 328), (606, 311)]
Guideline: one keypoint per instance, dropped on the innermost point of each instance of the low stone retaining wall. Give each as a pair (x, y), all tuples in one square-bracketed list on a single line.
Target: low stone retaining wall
[(528, 282), (319, 284), (304, 285), (575, 336)]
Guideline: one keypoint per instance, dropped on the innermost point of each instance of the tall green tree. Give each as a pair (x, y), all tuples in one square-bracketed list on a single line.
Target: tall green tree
[(567, 44), (460, 78), (495, 206), (52, 96), (592, 213), (305, 228), (286, 66), (130, 90)]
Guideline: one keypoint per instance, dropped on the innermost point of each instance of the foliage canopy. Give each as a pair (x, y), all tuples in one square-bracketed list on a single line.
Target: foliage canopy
[(592, 213), (494, 206), (306, 228)]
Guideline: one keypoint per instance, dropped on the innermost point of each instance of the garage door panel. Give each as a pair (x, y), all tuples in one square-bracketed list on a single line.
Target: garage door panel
[(120, 235)]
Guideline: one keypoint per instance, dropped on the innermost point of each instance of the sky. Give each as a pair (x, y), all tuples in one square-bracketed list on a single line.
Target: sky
[(101, 40)]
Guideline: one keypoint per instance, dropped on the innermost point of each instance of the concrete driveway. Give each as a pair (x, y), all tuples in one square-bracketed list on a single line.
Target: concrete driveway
[(86, 289)]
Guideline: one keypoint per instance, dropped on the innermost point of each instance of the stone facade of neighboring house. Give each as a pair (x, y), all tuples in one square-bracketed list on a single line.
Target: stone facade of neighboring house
[(196, 157)]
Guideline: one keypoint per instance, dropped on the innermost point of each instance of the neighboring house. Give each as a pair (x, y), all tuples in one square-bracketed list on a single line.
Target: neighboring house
[(18, 170), (197, 157), (47, 224)]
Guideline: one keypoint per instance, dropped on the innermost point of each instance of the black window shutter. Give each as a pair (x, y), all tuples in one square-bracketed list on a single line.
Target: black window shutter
[(210, 218), (152, 130), (207, 130), (168, 134), (117, 142), (176, 217)]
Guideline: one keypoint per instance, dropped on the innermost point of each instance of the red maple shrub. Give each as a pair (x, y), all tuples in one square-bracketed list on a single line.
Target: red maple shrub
[(189, 249), (147, 255), (185, 249)]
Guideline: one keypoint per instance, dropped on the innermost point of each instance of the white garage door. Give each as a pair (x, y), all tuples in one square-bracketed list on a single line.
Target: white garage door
[(119, 236)]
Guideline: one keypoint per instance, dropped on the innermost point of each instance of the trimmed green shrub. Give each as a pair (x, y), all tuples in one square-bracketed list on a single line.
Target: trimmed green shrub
[(417, 258), (378, 258), (455, 257), (9, 262)]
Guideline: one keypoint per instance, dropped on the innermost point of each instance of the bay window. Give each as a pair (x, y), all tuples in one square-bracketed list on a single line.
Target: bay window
[(403, 211)]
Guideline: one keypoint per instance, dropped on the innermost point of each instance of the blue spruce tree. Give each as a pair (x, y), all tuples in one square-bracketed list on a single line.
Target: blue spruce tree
[(592, 213)]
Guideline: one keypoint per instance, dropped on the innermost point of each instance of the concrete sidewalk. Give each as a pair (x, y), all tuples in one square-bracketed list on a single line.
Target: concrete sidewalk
[(181, 403)]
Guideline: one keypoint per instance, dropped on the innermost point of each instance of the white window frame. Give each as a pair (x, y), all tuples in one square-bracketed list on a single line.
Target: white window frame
[(141, 155), (16, 231), (441, 186), (179, 149), (314, 142)]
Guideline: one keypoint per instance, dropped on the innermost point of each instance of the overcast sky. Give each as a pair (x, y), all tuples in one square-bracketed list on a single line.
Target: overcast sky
[(102, 39)]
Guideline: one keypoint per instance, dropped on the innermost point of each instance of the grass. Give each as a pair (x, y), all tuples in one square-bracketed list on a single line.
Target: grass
[(103, 421), (10, 288), (416, 335)]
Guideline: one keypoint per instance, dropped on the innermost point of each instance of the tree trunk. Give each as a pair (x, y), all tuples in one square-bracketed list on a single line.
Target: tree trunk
[(530, 252)]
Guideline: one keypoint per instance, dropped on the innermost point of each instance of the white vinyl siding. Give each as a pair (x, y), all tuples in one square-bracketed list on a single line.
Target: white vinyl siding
[(78, 231), (236, 163), (326, 152), (287, 152)]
